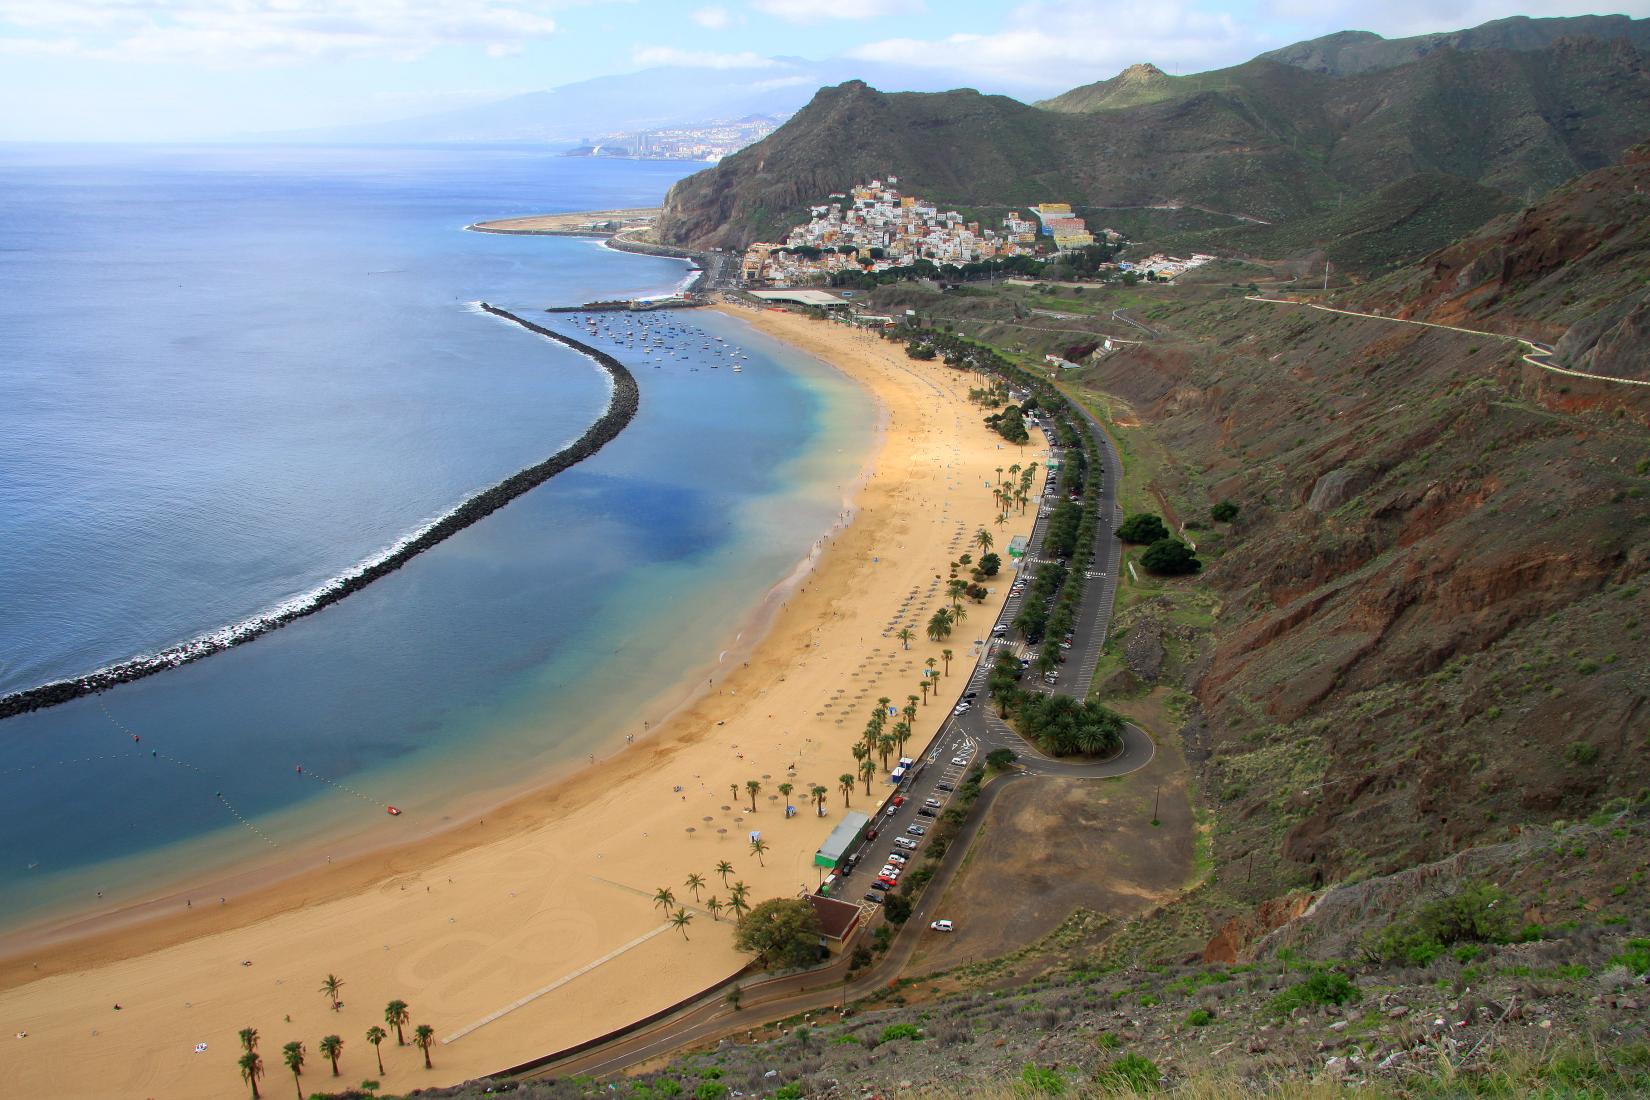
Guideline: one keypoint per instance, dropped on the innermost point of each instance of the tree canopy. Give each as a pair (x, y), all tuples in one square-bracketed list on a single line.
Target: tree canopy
[(1143, 528), (1170, 558), (1064, 726), (1224, 512), (781, 932)]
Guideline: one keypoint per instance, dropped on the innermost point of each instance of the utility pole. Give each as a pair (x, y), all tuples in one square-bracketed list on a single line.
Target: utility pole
[(1156, 795), (1326, 276)]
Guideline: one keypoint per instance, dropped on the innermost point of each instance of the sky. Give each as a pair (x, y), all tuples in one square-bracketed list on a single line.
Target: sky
[(164, 70)]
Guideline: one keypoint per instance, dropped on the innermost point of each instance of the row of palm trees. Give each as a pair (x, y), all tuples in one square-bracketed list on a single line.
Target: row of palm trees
[(738, 902), (294, 1055)]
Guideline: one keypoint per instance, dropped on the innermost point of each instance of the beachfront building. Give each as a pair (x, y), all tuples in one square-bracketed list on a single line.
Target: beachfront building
[(841, 841), (838, 921), (1166, 268)]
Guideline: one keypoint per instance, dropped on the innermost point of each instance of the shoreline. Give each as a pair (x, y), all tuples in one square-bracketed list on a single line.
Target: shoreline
[(467, 921), (623, 401)]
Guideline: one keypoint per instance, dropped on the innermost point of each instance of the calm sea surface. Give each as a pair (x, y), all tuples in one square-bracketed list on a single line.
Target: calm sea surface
[(228, 374)]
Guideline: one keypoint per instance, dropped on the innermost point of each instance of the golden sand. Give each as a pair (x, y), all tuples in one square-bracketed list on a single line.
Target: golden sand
[(536, 928)]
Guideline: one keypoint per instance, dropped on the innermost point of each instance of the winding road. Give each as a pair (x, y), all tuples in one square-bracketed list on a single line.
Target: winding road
[(1535, 353)]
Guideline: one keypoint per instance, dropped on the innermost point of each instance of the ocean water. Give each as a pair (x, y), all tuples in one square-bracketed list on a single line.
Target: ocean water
[(228, 374)]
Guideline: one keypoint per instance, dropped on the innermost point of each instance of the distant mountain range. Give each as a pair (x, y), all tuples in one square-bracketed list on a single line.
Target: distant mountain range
[(1515, 107), (650, 99)]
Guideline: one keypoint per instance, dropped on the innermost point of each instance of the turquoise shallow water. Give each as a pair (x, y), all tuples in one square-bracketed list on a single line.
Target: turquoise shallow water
[(227, 375)]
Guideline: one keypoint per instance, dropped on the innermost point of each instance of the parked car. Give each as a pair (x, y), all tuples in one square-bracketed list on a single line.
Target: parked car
[(926, 812), (972, 695), (1049, 678), (916, 830), (961, 708), (908, 845), (960, 761), (899, 800), (943, 926), (888, 882), (946, 787), (933, 802), (874, 898), (891, 811), (890, 870), (895, 857), (878, 886)]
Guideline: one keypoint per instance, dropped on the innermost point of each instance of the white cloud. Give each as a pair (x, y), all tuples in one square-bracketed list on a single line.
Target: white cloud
[(226, 33), (816, 11), (1062, 43), (712, 18), (699, 59)]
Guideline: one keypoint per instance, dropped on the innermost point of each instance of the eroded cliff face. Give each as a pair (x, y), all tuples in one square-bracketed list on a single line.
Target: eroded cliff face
[(1568, 269), (1434, 600)]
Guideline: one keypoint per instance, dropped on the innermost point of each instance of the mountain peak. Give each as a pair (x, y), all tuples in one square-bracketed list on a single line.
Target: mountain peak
[(1141, 72)]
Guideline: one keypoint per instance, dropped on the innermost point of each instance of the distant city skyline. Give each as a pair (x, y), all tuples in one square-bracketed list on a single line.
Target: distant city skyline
[(159, 70)]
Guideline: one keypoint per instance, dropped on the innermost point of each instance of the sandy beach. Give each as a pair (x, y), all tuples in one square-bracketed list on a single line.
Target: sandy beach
[(534, 926)]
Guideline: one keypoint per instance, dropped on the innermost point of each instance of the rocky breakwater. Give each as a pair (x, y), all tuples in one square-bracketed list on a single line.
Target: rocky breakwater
[(621, 409)]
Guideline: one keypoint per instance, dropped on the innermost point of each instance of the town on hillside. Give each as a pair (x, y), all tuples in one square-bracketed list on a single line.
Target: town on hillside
[(875, 229)]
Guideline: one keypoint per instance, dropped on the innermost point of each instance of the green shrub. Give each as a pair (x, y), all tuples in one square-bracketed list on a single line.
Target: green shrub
[(1200, 1017), (1477, 914), (901, 1031), (1037, 1081), (792, 1091), (1107, 1040), (1224, 512), (1636, 957), (1132, 1072), (1327, 987), (710, 1090), (667, 1088)]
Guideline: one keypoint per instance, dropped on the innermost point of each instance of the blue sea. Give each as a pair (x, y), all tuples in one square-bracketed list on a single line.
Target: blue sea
[(228, 374)]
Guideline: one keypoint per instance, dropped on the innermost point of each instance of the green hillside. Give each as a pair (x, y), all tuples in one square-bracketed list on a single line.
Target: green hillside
[(1263, 139)]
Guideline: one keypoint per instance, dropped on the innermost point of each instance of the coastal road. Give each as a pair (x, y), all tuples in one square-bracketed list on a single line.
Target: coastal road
[(967, 738)]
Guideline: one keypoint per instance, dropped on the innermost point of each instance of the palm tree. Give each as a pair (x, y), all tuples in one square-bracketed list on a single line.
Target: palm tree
[(885, 745), (924, 686), (331, 1047), (910, 712), (945, 654), (330, 988), (819, 791), (680, 920), (1002, 518), (939, 626), (902, 730), (423, 1038), (931, 662), (905, 635), (753, 788), (999, 475), (867, 769), (956, 590), (695, 882), (883, 703), (397, 1016), (785, 790), (724, 869), (734, 788), (249, 1039), (958, 614), (252, 1068), (983, 539), (1014, 471), (739, 897), (375, 1036), (293, 1055), (758, 847), (663, 898), (714, 904), (846, 782)]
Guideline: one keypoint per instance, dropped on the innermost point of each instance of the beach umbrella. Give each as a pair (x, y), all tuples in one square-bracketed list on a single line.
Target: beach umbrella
[(691, 830), (721, 834)]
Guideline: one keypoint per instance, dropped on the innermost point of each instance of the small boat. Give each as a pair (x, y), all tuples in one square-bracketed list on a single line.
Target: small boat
[(737, 368), (393, 812)]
